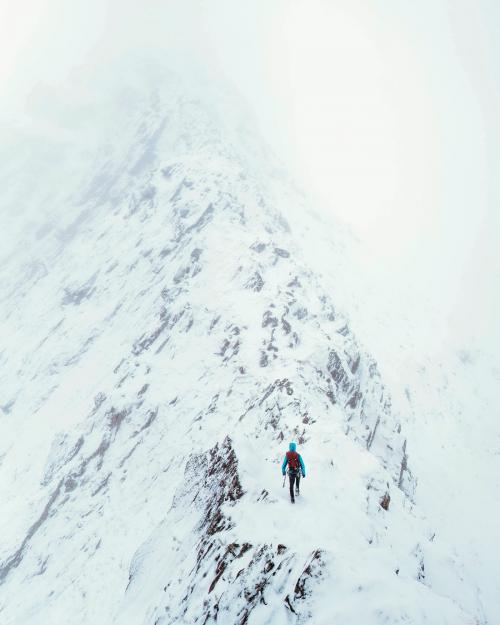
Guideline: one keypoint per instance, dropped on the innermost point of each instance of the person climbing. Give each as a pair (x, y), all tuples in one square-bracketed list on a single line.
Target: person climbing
[(295, 468)]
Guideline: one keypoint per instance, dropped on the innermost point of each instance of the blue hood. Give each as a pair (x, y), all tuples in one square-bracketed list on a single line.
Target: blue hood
[(292, 446)]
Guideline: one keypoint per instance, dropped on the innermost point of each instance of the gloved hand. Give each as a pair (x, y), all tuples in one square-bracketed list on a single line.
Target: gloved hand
[(303, 474), (283, 472)]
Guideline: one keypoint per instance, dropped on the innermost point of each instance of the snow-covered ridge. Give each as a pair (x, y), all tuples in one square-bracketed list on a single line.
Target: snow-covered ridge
[(163, 340)]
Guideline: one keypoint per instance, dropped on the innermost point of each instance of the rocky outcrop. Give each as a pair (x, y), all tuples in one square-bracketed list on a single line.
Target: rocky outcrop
[(228, 580)]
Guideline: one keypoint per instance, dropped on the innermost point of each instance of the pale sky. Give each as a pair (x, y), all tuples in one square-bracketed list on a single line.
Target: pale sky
[(386, 112)]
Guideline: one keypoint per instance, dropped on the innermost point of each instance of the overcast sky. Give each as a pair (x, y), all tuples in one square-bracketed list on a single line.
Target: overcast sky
[(386, 111)]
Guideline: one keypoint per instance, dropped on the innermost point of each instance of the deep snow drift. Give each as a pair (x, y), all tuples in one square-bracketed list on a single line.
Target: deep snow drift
[(164, 336)]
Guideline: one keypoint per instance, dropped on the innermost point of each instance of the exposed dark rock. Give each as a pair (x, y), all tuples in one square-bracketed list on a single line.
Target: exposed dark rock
[(354, 364), (214, 322), (371, 437), (354, 399), (258, 247), (287, 328), (15, 559), (385, 501), (255, 283), (404, 468), (269, 319), (103, 484), (151, 416), (311, 570), (280, 252), (195, 254), (224, 347), (344, 330), (335, 369), (199, 224), (116, 418), (294, 340), (168, 321)]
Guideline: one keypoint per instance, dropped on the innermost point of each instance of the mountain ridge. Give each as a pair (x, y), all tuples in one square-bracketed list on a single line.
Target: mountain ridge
[(180, 340)]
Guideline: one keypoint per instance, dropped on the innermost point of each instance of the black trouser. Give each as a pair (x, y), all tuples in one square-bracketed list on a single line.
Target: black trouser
[(294, 479)]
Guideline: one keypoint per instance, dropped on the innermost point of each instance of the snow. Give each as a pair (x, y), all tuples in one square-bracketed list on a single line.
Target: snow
[(172, 318)]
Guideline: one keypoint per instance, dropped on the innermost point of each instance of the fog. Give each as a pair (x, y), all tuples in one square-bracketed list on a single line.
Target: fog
[(386, 113)]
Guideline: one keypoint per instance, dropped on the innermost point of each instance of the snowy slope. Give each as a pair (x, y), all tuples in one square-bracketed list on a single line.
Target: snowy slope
[(444, 388), (164, 336)]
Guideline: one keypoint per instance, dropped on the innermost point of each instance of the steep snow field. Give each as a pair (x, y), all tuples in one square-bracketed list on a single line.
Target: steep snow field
[(445, 388), (173, 315)]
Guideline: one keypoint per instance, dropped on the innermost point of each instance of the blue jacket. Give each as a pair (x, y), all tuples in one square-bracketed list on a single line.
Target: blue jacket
[(293, 447)]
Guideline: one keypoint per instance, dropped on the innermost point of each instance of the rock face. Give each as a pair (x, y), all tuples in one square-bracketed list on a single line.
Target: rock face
[(164, 341), (235, 579)]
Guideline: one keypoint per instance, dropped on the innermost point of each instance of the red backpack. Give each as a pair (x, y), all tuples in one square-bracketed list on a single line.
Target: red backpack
[(293, 460)]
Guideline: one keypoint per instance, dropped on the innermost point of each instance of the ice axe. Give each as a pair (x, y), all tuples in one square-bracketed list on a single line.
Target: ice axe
[(284, 480)]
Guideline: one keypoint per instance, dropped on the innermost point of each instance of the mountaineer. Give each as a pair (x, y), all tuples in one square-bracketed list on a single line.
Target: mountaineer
[(296, 467)]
